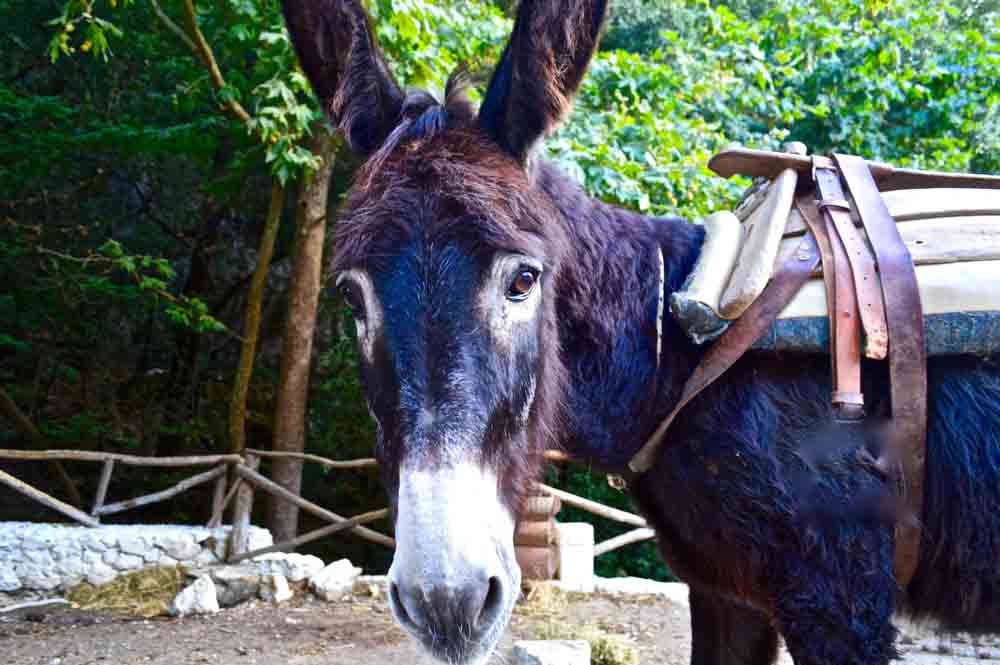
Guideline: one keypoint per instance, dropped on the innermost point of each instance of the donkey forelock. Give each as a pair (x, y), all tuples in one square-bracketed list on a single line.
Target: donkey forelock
[(468, 186), (438, 177)]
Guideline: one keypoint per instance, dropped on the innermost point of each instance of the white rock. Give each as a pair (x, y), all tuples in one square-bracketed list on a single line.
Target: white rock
[(67, 551), (166, 560), (35, 577), (100, 573), (259, 538), (8, 580), (199, 598), (38, 536), (91, 557), (133, 544), (636, 586), (372, 585), (335, 581), (295, 567), (205, 558), (92, 541), (180, 546), (122, 561), (39, 556), (274, 588), (552, 652), (235, 584)]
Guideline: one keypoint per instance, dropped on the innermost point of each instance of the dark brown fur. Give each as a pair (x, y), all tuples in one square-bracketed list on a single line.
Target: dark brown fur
[(771, 534)]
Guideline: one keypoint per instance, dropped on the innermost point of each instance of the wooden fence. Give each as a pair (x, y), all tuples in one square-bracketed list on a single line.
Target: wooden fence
[(237, 478)]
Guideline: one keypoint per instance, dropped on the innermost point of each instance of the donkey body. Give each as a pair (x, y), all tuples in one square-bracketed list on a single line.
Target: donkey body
[(501, 311)]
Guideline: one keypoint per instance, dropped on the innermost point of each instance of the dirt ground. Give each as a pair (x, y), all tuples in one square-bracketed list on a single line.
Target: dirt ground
[(360, 631), (305, 631)]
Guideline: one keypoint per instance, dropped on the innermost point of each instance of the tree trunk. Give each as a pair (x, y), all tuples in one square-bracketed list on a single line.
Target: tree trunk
[(300, 323), (251, 325)]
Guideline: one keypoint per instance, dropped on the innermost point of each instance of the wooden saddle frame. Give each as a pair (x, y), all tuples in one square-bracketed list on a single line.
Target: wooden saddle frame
[(873, 301)]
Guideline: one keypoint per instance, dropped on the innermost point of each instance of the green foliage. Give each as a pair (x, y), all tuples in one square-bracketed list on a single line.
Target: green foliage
[(425, 41), (909, 82), (639, 560), (283, 109), (79, 24), (131, 197)]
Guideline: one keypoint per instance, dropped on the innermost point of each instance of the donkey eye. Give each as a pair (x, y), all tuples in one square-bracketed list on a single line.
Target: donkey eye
[(522, 284)]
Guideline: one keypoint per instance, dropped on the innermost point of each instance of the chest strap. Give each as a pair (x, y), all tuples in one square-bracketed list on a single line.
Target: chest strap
[(795, 270)]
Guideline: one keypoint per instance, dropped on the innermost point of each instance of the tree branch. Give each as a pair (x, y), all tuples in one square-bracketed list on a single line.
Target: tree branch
[(251, 324), (204, 52), (193, 38), (171, 26)]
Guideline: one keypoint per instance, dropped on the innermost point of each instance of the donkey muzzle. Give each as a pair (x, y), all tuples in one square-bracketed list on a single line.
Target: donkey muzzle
[(453, 580)]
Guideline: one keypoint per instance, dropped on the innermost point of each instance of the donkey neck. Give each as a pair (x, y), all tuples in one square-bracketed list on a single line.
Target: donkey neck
[(607, 302)]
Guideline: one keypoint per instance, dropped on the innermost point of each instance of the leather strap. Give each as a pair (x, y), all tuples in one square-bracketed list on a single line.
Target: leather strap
[(842, 308), (795, 271), (907, 445), (836, 210)]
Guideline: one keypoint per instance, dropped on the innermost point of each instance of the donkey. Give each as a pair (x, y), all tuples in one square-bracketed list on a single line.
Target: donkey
[(500, 311)]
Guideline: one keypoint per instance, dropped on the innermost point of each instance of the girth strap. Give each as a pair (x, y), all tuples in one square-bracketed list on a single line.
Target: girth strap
[(837, 212), (842, 309), (741, 335), (907, 445)]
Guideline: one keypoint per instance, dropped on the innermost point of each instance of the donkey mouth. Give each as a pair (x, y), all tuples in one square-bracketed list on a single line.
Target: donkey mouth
[(454, 579), (442, 621)]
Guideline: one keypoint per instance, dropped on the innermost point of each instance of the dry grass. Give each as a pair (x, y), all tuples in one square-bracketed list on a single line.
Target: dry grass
[(542, 599), (145, 593), (605, 648)]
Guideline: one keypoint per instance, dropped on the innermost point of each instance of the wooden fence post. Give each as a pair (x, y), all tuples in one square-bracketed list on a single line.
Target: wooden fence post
[(102, 486), (219, 496), (239, 537)]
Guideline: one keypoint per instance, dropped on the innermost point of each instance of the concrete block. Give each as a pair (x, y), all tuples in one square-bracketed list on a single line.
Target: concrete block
[(552, 652), (576, 556)]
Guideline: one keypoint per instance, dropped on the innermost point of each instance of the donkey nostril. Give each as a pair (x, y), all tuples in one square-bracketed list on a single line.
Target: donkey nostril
[(397, 603), (493, 605)]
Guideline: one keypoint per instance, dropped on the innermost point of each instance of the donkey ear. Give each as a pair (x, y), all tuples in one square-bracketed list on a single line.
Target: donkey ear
[(541, 68), (341, 58)]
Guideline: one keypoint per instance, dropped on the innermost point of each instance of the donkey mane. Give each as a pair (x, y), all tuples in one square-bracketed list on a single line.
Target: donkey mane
[(468, 187)]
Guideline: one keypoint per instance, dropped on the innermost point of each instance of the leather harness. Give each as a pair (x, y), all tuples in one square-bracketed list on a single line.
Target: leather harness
[(874, 309)]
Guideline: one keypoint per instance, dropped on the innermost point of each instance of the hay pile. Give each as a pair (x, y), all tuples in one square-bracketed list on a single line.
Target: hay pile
[(145, 593), (542, 600), (605, 648)]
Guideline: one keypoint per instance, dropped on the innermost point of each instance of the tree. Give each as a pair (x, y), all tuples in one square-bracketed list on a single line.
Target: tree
[(297, 344)]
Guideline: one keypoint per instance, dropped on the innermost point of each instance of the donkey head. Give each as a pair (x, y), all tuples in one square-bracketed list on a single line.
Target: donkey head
[(448, 253)]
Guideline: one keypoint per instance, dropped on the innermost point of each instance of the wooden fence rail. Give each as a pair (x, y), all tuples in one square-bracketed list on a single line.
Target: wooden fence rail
[(242, 470), (129, 460), (643, 532), (47, 501), (363, 463), (240, 494)]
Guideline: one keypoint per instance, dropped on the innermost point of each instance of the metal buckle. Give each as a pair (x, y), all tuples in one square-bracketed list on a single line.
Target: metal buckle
[(842, 204), (617, 482)]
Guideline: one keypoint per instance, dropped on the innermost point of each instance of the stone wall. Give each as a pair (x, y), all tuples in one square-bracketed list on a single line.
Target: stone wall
[(51, 558)]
